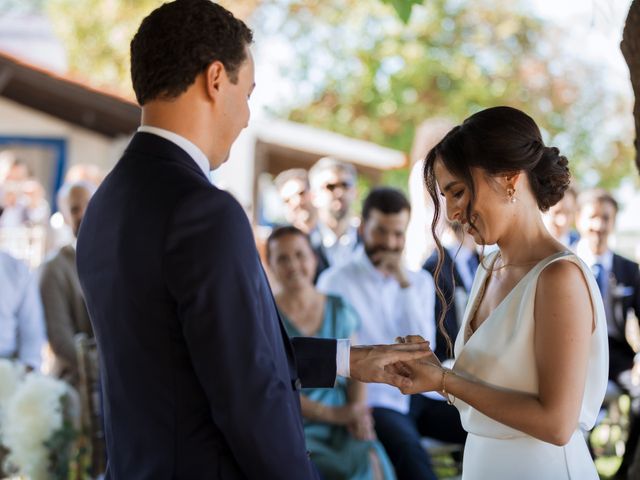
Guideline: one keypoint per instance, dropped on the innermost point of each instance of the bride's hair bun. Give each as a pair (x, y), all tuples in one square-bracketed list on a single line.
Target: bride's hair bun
[(550, 178)]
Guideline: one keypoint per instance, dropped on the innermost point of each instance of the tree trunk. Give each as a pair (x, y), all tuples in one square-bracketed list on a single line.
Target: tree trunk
[(630, 47)]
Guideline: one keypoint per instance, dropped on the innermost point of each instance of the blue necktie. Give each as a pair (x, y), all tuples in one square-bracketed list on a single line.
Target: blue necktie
[(599, 273)]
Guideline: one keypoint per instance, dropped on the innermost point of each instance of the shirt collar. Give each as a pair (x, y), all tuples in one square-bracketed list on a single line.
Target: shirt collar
[(329, 238), (364, 261), (606, 259), (192, 150)]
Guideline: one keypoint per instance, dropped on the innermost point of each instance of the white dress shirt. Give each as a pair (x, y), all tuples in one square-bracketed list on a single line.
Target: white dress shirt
[(588, 257), (22, 330), (343, 352), (386, 311), (605, 260)]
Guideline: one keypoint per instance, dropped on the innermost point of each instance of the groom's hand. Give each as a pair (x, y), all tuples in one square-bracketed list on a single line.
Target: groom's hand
[(371, 363)]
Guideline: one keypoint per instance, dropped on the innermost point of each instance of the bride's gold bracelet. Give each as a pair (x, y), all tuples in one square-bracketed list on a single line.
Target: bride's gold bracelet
[(444, 388)]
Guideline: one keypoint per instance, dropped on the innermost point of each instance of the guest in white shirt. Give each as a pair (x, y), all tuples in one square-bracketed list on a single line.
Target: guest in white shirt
[(391, 300), (333, 186)]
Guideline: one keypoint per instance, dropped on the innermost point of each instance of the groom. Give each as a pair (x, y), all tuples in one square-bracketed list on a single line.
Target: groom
[(200, 381)]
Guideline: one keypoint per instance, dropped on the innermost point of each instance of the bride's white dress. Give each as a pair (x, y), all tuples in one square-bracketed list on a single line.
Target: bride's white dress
[(501, 352)]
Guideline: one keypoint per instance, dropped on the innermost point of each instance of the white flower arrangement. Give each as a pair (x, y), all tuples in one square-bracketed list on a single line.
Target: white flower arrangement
[(32, 413)]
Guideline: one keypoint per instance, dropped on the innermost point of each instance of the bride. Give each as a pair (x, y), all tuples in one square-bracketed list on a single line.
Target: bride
[(531, 358)]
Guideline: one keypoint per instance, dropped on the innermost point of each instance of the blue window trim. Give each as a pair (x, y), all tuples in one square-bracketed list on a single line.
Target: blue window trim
[(57, 145)]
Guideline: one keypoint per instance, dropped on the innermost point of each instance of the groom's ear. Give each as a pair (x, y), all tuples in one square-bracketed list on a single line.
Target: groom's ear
[(214, 77)]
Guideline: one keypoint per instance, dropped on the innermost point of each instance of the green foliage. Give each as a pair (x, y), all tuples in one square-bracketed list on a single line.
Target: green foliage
[(403, 7), (96, 35), (376, 78), (59, 446), (376, 69), (63, 451)]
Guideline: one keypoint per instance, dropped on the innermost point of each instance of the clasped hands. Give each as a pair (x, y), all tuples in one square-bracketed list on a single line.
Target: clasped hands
[(409, 365)]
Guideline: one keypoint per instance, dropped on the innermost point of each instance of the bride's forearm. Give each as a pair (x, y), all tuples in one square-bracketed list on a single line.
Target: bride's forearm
[(522, 411)]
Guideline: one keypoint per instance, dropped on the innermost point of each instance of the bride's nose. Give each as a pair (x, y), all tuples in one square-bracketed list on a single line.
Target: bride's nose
[(454, 212)]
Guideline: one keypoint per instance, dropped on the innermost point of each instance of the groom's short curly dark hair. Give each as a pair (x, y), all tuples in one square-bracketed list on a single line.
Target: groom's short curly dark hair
[(178, 41)]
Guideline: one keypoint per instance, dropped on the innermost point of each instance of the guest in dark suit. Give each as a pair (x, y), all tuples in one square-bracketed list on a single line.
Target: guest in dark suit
[(65, 312), (619, 282), (618, 278), (199, 378), (456, 277)]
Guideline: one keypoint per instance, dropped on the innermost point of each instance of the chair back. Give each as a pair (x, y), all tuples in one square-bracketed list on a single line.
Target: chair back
[(90, 392)]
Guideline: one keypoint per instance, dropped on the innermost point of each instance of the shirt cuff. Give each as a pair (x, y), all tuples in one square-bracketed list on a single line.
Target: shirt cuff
[(343, 357)]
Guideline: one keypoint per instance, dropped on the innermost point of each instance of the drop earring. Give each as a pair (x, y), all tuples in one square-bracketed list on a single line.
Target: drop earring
[(511, 193)]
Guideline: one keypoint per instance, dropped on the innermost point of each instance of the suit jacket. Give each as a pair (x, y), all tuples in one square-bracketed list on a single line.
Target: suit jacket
[(65, 312), (199, 378), (449, 279), (623, 297)]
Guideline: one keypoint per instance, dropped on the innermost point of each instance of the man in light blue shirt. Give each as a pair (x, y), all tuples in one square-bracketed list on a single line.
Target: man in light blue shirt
[(22, 332)]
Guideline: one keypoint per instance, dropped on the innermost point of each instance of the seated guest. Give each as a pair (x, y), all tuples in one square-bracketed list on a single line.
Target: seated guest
[(22, 331), (64, 308), (295, 193), (456, 277), (559, 219), (338, 425), (391, 300)]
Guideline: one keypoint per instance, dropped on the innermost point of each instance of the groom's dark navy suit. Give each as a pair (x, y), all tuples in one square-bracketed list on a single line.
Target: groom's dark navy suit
[(200, 380)]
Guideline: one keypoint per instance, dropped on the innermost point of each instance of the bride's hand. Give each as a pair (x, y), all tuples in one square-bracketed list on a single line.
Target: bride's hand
[(426, 376), (424, 373)]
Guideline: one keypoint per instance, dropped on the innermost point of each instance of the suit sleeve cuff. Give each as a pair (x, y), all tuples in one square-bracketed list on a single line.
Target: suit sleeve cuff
[(343, 356)]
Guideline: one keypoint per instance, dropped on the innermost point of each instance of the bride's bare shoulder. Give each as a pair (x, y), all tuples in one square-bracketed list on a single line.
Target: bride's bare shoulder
[(564, 269), (563, 282)]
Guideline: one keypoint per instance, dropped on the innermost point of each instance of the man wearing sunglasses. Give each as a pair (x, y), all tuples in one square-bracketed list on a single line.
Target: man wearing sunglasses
[(333, 185)]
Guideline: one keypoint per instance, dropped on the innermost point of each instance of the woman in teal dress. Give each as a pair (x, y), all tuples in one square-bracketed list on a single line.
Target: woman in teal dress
[(338, 425)]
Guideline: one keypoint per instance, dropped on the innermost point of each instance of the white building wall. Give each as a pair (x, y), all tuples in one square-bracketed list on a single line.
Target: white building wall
[(236, 174), (83, 146)]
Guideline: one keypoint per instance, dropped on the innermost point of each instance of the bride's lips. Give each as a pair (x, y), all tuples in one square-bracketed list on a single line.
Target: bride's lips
[(469, 226)]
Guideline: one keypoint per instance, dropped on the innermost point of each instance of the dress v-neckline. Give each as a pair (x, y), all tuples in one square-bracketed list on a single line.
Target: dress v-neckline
[(468, 331)]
